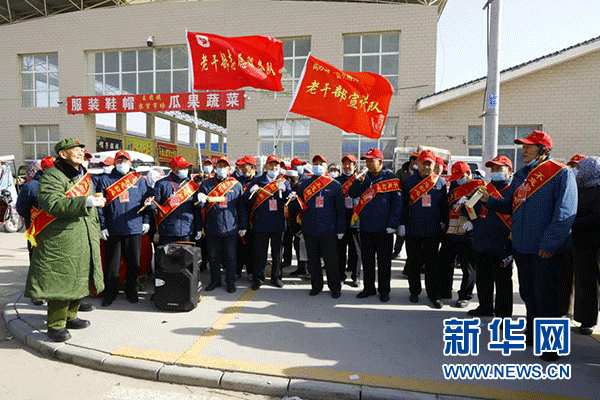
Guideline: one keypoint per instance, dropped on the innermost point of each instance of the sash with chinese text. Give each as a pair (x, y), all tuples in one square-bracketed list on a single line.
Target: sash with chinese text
[(391, 185), (347, 184), (319, 184), (171, 205), (455, 221), (464, 190), (219, 191), (491, 189), (422, 188), (121, 186), (267, 191), (537, 178)]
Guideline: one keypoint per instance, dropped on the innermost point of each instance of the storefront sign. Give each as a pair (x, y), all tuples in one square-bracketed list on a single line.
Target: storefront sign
[(141, 145), (165, 151), (108, 144)]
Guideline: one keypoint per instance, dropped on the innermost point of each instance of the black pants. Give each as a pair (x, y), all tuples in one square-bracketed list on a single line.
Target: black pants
[(566, 284), (538, 286), (172, 239), (288, 240), (490, 272), (380, 244), (222, 250), (348, 246), (423, 251), (447, 258), (587, 278), (398, 244), (261, 250), (323, 246), (464, 252), (130, 245), (245, 253), (203, 250)]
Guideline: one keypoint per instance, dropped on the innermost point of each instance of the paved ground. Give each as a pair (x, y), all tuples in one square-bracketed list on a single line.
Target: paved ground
[(287, 338)]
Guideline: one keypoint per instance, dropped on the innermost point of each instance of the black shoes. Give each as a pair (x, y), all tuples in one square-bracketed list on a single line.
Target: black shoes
[(256, 285), (462, 303), (78, 323), (549, 356), (107, 302), (212, 286), (132, 297), (353, 283), (479, 312), (586, 330), (314, 292), (365, 293), (336, 295), (414, 298), (86, 307), (298, 272), (277, 283), (230, 287), (384, 298), (60, 335), (437, 304)]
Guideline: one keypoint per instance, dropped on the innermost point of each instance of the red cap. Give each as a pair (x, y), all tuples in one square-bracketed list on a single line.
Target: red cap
[(427, 155), (439, 161), (47, 162), (122, 153), (373, 153), (297, 161), (273, 158), (321, 157), (537, 137), (241, 161), (207, 161), (458, 170), (251, 160), (108, 161), (574, 161), (349, 157), (87, 154), (224, 159), (180, 162), (282, 164), (499, 160)]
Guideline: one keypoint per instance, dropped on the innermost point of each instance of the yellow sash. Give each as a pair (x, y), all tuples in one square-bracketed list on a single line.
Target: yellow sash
[(391, 185)]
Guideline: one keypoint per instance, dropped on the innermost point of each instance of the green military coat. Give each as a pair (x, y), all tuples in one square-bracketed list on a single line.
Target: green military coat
[(66, 263)]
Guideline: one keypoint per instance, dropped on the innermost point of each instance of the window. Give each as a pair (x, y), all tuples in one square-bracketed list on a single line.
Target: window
[(136, 124), (38, 141), (373, 52), (107, 122), (294, 140), (295, 53), (183, 134), (358, 145), (160, 70), (39, 80), (506, 145)]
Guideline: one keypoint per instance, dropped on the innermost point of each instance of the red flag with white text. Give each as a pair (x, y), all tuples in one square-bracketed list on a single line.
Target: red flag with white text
[(227, 63), (356, 102)]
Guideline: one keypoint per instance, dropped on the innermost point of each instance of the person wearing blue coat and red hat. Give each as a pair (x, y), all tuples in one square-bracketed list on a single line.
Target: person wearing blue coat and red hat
[(543, 207), (245, 174)]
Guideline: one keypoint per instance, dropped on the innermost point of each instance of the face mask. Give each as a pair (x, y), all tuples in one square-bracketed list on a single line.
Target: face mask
[(334, 174), (415, 167), (462, 181), (207, 169), (300, 170), (248, 174), (182, 174), (221, 172), (107, 170), (85, 164), (318, 170), (122, 168), (532, 163), (497, 176), (273, 174)]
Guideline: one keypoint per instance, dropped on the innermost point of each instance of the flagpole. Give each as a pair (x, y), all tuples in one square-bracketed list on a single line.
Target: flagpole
[(191, 79), (279, 133)]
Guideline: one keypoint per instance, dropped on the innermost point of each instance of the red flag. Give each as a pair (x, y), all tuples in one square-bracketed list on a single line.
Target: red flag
[(356, 102), (224, 63)]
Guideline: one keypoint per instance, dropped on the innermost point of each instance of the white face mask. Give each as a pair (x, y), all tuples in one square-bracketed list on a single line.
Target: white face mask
[(318, 170), (222, 172), (274, 173), (300, 169), (207, 169), (415, 167), (248, 174), (85, 164), (122, 168), (182, 174), (108, 169), (461, 181), (334, 174)]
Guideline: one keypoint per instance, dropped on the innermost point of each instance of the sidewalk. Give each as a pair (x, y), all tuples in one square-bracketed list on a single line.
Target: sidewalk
[(282, 342)]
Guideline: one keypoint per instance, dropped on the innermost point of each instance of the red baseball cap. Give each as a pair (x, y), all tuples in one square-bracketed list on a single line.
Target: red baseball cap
[(47, 162), (439, 161), (251, 160), (108, 161), (321, 157), (180, 162), (297, 161), (500, 160), (123, 153), (428, 155), (349, 157), (241, 161), (373, 153), (458, 170), (537, 137), (574, 161), (273, 158), (207, 161), (224, 159)]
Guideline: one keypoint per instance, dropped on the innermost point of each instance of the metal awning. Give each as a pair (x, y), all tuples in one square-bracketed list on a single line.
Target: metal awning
[(20, 10)]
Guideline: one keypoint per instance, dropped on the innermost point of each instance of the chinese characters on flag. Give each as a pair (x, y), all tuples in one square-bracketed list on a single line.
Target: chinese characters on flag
[(224, 63), (230, 100), (356, 102)]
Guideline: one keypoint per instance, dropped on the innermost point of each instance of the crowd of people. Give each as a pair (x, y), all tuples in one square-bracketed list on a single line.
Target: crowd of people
[(545, 218)]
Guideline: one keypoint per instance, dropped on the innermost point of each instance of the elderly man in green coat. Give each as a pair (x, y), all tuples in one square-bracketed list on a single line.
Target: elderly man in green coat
[(65, 265)]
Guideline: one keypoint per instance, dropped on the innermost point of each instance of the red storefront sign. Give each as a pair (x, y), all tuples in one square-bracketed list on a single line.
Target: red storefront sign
[(165, 151), (225, 100)]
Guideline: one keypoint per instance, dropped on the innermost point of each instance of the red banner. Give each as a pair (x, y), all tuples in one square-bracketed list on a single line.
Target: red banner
[(229, 100), (221, 63), (165, 151), (356, 102)]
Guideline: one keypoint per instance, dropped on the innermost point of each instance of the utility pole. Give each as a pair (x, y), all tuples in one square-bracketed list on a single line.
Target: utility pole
[(492, 91)]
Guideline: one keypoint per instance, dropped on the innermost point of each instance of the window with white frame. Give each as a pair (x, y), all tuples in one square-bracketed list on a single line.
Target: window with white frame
[(373, 52), (39, 80), (294, 139), (358, 145), (506, 141), (295, 53), (157, 70), (38, 141)]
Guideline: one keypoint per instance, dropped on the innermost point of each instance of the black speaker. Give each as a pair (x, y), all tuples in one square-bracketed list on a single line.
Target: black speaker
[(177, 281)]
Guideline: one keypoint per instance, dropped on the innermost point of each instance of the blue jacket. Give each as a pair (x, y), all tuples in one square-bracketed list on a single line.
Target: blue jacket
[(349, 210), (183, 221), (424, 221), (122, 218), (490, 234), (264, 220), (28, 198), (327, 220), (384, 210), (545, 219), (225, 220)]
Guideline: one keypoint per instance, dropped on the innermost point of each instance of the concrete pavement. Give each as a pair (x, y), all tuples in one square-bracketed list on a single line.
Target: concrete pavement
[(282, 342)]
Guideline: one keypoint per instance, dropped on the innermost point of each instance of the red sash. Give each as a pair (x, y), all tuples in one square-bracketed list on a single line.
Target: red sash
[(171, 205), (422, 188), (454, 224), (491, 189), (121, 186), (262, 196), (219, 191), (319, 184), (41, 219), (391, 185), (347, 184), (537, 178)]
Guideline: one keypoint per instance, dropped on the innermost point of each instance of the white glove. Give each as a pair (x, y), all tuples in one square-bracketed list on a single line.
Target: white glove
[(281, 186), (254, 188), (198, 235), (401, 230), (242, 232), (467, 226), (93, 201), (148, 201), (145, 228), (390, 230), (340, 236), (104, 234), (462, 200), (202, 198)]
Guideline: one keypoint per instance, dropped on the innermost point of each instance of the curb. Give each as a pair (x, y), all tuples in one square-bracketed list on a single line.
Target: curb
[(267, 385)]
